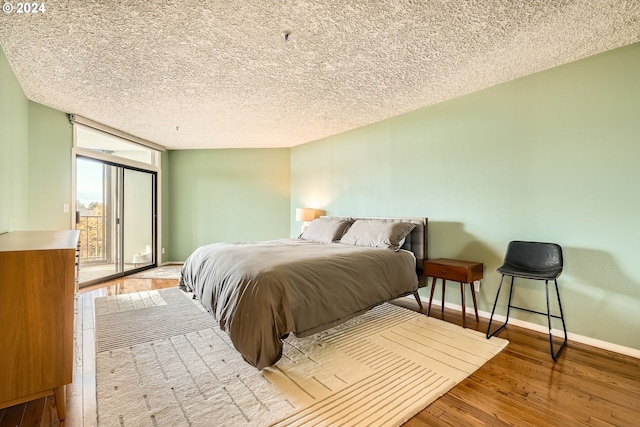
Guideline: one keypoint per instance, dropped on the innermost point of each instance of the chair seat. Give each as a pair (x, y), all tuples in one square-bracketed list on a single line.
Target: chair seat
[(514, 270)]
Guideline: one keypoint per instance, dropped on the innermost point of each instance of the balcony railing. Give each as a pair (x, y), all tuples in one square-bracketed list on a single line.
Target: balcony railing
[(92, 238)]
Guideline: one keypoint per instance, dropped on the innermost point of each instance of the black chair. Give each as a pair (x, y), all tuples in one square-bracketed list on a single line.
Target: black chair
[(536, 261)]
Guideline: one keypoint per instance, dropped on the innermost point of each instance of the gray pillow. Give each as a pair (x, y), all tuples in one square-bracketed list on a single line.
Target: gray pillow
[(377, 233), (326, 229)]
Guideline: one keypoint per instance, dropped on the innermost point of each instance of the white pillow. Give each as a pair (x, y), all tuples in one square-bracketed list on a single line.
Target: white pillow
[(377, 233)]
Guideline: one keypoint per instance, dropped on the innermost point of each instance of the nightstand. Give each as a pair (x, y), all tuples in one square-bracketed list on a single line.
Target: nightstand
[(458, 271)]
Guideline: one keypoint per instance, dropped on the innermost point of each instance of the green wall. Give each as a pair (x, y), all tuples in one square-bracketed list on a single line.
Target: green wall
[(35, 160), (50, 142), (227, 195), (14, 150), (163, 207), (549, 157)]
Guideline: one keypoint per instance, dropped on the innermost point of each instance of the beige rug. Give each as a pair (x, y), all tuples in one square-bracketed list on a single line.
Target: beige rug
[(170, 271), (162, 361)]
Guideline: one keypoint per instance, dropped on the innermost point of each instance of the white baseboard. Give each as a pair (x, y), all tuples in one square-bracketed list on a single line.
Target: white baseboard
[(616, 348)]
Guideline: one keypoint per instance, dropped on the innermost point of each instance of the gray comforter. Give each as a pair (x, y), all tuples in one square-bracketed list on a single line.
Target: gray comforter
[(259, 292)]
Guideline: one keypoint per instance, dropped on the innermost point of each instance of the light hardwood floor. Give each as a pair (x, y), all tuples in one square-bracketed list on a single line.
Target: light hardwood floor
[(521, 386)]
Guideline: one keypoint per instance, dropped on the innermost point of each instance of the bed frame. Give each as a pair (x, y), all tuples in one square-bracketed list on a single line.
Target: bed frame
[(417, 241), (261, 343)]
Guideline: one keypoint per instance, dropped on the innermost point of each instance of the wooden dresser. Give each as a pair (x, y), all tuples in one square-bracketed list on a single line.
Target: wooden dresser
[(37, 270)]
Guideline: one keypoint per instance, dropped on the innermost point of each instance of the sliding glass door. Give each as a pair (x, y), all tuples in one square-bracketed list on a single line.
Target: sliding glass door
[(116, 216), (138, 228)]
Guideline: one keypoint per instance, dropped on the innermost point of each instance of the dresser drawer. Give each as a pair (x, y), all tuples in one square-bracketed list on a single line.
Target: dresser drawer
[(459, 271)]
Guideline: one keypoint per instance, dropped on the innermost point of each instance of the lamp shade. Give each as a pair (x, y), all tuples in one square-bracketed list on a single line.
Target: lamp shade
[(305, 214)]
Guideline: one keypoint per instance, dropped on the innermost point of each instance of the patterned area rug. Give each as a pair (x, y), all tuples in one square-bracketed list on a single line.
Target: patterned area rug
[(162, 361)]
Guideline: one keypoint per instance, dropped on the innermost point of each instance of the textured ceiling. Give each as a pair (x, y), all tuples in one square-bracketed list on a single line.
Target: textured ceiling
[(207, 74)]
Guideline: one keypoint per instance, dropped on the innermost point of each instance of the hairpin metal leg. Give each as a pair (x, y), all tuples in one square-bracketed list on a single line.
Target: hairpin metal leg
[(489, 333), (554, 355)]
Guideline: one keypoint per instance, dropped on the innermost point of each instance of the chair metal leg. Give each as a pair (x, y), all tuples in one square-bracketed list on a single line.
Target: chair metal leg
[(554, 355), (564, 328), (489, 333)]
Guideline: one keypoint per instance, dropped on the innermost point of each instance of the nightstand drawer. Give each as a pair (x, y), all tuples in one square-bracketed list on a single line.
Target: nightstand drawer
[(458, 274), (456, 270)]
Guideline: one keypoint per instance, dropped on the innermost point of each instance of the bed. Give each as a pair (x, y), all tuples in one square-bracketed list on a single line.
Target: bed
[(339, 267)]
